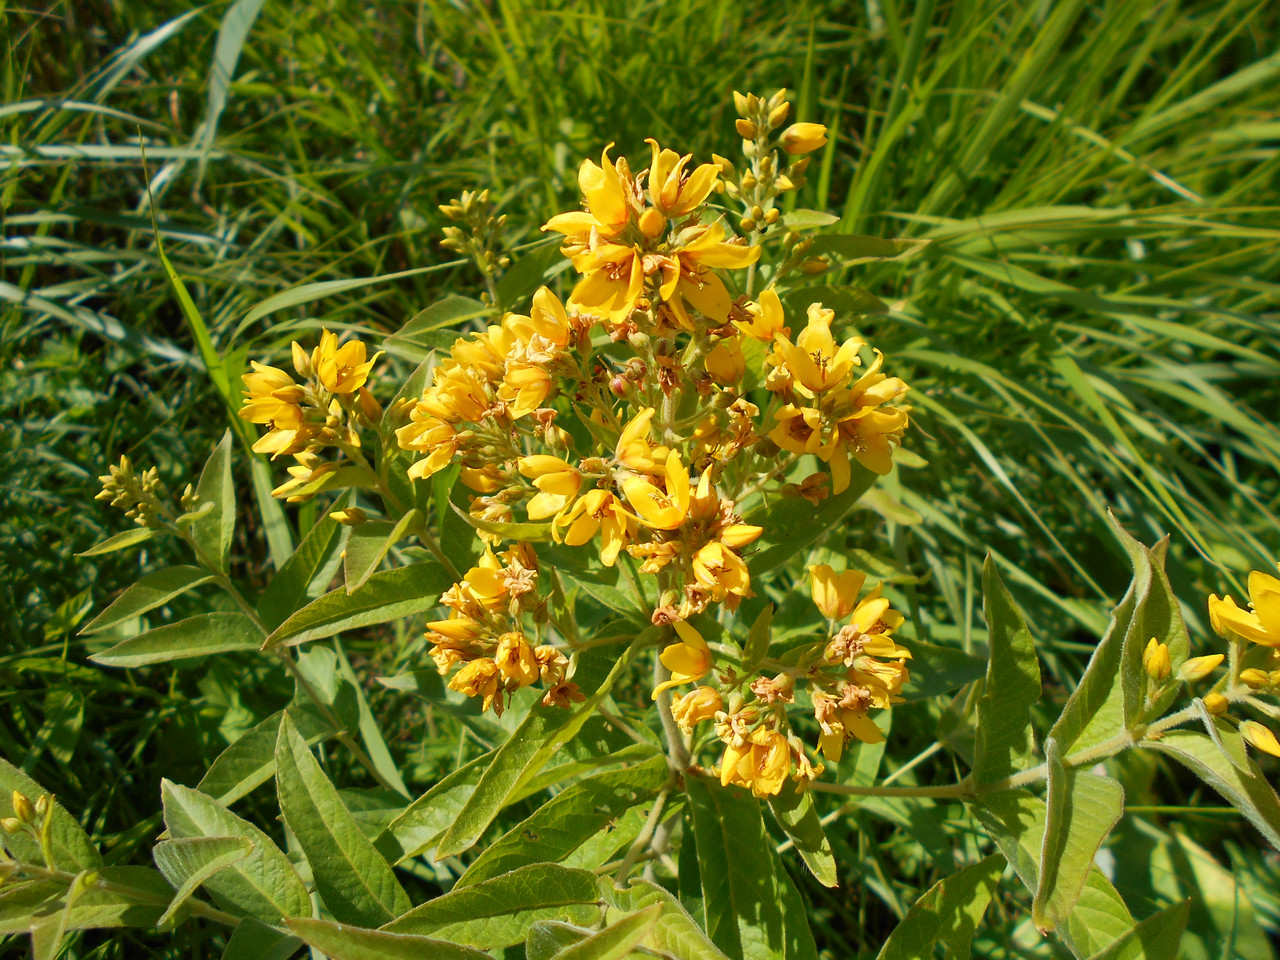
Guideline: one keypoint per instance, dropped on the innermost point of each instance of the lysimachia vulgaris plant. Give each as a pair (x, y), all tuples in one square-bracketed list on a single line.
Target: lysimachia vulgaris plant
[(607, 528)]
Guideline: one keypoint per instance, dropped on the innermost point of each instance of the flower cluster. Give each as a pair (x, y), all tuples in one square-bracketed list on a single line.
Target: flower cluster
[(648, 414), (1259, 625), (303, 419)]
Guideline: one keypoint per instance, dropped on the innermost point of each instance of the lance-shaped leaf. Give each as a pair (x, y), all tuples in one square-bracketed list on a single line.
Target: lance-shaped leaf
[(426, 819), (1082, 809), (386, 595), (119, 541), (947, 914), (152, 591), (308, 570), (529, 749), (213, 530), (676, 934), (203, 635), (796, 814), (368, 544), (67, 843), (187, 864), (498, 912), (1004, 738), (1248, 792), (792, 524), (263, 884), (1155, 938), (1114, 681), (338, 941), (852, 248), (356, 884), (570, 819), (757, 645), (1015, 820), (251, 761), (750, 911)]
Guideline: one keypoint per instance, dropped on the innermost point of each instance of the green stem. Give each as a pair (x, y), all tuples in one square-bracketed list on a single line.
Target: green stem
[(643, 837)]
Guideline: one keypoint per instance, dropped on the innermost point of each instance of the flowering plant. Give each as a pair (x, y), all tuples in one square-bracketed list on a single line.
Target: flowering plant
[(601, 506)]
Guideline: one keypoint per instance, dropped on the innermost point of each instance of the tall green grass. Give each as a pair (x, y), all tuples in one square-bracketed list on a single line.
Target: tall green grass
[(1093, 327)]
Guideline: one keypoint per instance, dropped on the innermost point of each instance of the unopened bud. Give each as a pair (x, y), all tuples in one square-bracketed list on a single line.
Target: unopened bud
[(784, 184), (803, 137), (740, 102), (778, 115), (748, 224), (772, 216), (746, 129), (652, 223), (799, 167), (757, 212), (301, 360), (11, 825), (1216, 704), (1155, 660), (42, 805), (815, 265), (749, 181), (726, 166), (350, 517), (22, 807), (1197, 668), (1255, 678), (1261, 737)]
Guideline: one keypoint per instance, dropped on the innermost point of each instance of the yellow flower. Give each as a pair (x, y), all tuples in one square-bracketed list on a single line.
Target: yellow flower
[(612, 281), (701, 703), (459, 394), (596, 510), (721, 571), (604, 189), (480, 678), (767, 319), (547, 324), (1260, 737), (1262, 623), (557, 483), (689, 659), (663, 509), (814, 360), (726, 362), (797, 429), (803, 137), (1216, 704), (516, 661), (272, 398), (525, 387), (633, 450), (427, 434), (761, 763), (341, 369), (674, 193), (689, 277), (869, 434), (838, 724), (836, 594)]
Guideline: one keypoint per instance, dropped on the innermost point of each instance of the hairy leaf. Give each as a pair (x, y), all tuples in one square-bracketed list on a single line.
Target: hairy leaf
[(187, 864), (796, 814), (212, 532), (152, 591)]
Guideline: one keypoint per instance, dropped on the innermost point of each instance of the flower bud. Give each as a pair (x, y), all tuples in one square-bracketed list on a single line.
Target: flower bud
[(1197, 668), (778, 115), (757, 212), (740, 103), (11, 825), (301, 360), (1216, 704), (772, 216), (1155, 660), (803, 137), (815, 265), (784, 184), (699, 704), (726, 166), (1260, 737), (746, 129), (42, 806), (1255, 678), (748, 224), (22, 807), (350, 517), (652, 223)]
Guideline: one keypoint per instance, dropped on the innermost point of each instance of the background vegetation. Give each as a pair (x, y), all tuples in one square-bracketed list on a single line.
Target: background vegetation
[(1093, 328)]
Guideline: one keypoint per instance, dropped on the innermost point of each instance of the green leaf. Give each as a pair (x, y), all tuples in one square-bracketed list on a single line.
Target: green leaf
[(415, 339), (187, 864), (1248, 792), (213, 531), (387, 595), (529, 272), (616, 940), (340, 942), (529, 749), (569, 819), (135, 898), (498, 912), (69, 845), (846, 301), (120, 541), (368, 544), (252, 940), (548, 937), (851, 248), (937, 670), (947, 914), (1082, 809), (351, 877), (153, 590), (263, 884), (307, 571), (749, 912), (532, 532), (251, 760), (426, 819), (200, 636), (795, 813), (1004, 736), (1155, 938), (1015, 820), (757, 645), (676, 935), (807, 219), (792, 524)]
